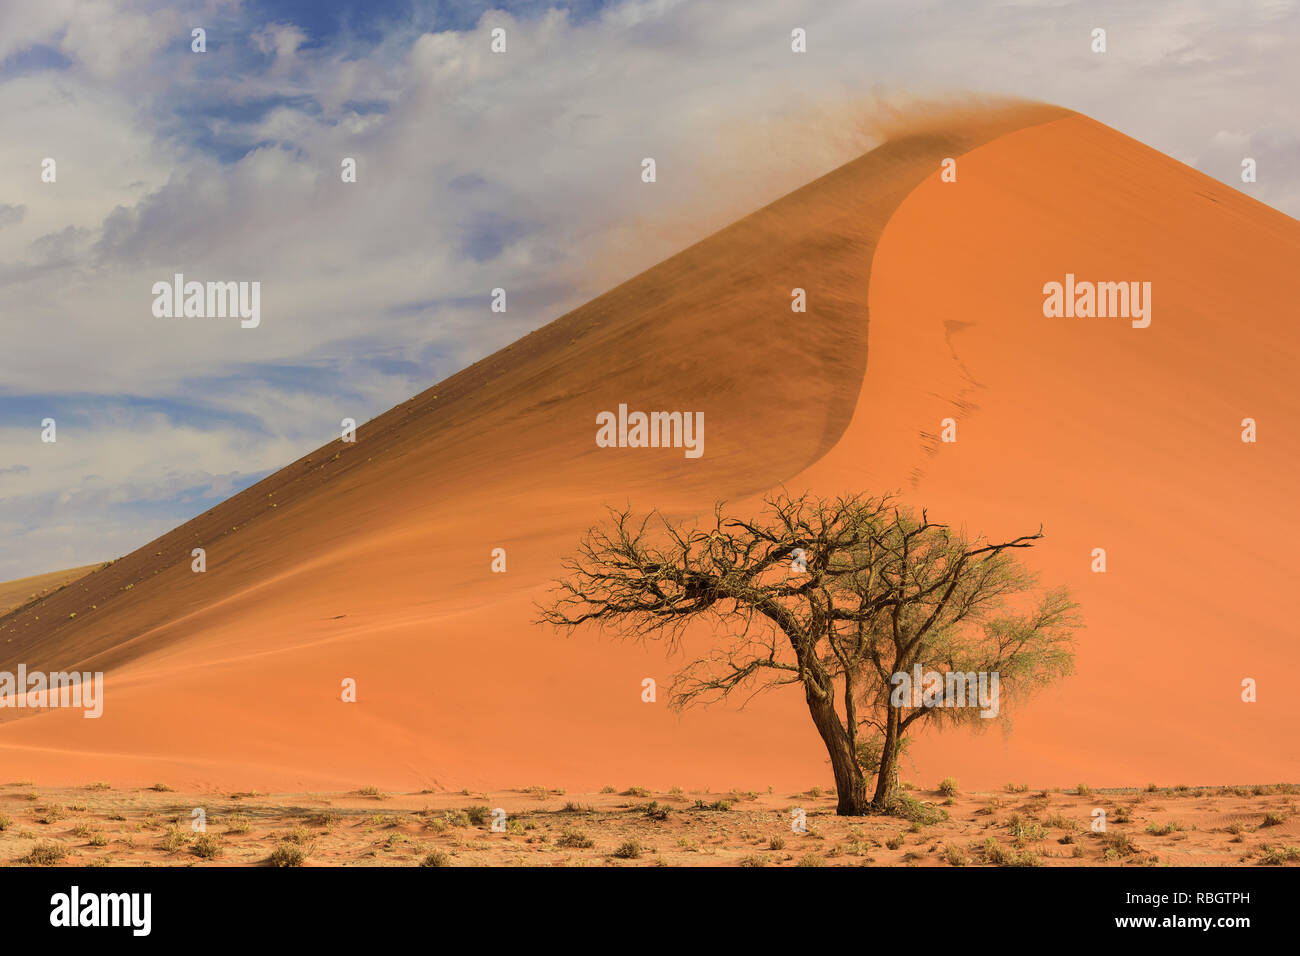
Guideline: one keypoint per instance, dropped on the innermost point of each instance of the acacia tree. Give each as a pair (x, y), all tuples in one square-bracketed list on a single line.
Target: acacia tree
[(838, 595)]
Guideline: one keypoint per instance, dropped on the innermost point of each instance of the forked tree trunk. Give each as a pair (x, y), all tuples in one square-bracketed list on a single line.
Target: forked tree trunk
[(886, 796), (850, 784)]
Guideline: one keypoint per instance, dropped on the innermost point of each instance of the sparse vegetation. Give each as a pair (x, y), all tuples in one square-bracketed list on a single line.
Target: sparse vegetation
[(174, 839), (719, 805), (1024, 830), (1118, 845), (629, 850), (287, 854), (654, 811), (46, 853), (574, 839), (206, 847), (1164, 829), (1276, 856)]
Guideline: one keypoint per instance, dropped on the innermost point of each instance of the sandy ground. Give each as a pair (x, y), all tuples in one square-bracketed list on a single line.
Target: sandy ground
[(1185, 826)]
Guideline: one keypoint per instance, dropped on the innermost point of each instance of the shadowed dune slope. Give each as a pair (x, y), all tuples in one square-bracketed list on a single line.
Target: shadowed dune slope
[(371, 561), (15, 594)]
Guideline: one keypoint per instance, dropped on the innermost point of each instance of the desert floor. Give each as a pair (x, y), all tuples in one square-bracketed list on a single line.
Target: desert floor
[(96, 825)]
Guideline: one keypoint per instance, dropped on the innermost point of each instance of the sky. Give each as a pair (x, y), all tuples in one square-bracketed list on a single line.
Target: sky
[(476, 170)]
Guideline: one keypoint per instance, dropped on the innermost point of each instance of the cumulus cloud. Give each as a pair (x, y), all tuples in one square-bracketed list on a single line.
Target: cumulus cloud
[(474, 170)]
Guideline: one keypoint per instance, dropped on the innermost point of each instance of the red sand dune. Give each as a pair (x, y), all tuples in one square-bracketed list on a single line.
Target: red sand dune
[(372, 561)]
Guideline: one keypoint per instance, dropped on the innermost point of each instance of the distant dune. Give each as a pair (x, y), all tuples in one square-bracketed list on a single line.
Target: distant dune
[(372, 560), (16, 593)]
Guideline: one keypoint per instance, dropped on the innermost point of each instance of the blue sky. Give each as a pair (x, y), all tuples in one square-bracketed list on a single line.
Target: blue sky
[(475, 171)]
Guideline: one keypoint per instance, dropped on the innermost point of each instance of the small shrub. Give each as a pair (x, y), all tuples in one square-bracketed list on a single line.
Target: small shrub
[(1164, 829), (436, 858), (1061, 822), (49, 814), (1022, 829), (206, 847), (998, 855), (654, 811), (719, 805), (629, 850), (1276, 856), (914, 811), (776, 843), (46, 854), (286, 854), (1119, 844), (948, 787), (574, 839), (812, 859), (174, 839), (298, 835)]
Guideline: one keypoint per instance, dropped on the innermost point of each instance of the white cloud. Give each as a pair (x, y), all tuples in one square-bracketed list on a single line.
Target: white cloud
[(479, 170)]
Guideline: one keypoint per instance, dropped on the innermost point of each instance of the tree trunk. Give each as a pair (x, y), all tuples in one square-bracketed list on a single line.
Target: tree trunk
[(850, 784), (886, 796)]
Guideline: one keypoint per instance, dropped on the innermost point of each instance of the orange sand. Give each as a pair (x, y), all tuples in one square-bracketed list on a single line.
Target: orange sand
[(372, 561)]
